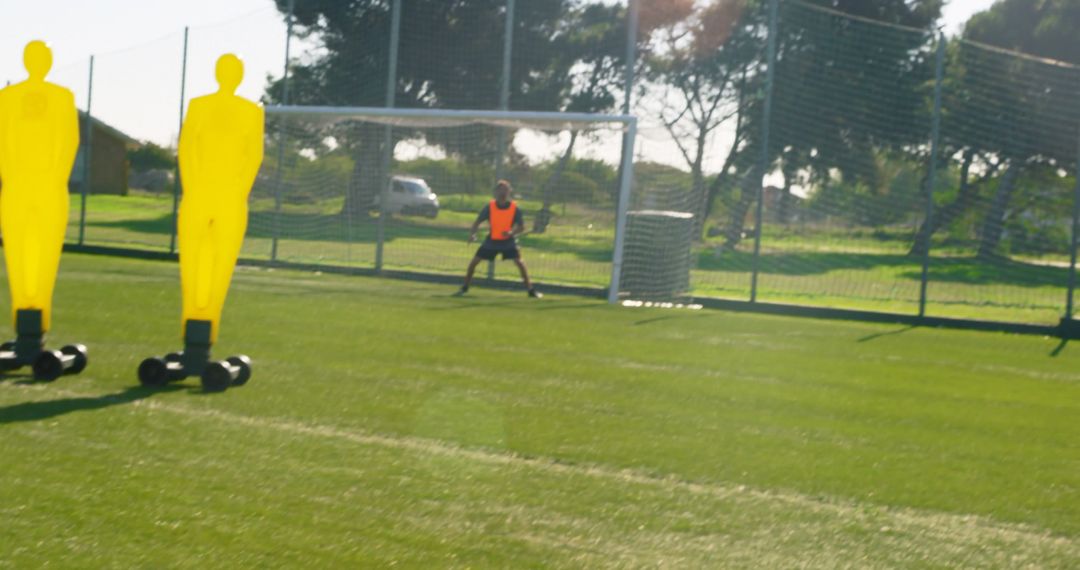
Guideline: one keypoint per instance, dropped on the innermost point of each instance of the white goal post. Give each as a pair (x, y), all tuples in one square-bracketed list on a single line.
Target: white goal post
[(320, 117)]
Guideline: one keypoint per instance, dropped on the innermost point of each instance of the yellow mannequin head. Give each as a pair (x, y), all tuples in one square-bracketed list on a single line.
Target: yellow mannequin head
[(230, 71), (37, 57)]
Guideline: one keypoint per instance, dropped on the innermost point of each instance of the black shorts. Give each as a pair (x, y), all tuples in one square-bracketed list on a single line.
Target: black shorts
[(488, 253)]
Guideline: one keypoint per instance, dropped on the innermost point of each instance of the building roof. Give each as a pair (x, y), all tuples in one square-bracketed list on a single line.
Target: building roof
[(113, 131)]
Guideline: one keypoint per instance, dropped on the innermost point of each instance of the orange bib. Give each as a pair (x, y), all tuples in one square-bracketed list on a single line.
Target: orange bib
[(501, 220)]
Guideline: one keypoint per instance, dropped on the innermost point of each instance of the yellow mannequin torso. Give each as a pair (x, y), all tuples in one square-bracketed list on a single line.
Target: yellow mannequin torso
[(221, 150), (39, 136)]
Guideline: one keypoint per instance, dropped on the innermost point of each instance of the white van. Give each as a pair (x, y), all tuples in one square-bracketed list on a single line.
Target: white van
[(411, 196)]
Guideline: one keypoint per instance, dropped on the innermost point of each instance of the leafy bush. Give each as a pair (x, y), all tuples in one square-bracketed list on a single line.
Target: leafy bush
[(149, 156)]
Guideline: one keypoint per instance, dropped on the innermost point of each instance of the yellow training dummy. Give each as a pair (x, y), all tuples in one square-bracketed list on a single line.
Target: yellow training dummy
[(39, 136), (221, 149)]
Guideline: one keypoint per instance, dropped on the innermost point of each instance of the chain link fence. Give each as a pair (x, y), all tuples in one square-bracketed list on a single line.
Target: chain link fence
[(831, 161)]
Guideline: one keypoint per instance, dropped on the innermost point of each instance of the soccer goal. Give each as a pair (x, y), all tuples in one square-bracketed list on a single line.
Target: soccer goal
[(398, 189)]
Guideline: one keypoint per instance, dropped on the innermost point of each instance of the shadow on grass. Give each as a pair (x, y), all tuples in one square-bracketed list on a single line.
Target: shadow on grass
[(870, 337), (596, 249), (799, 263), (307, 227), (1004, 271), (668, 318), (965, 270), (1060, 347), (548, 306), (337, 228), (36, 411), (474, 303)]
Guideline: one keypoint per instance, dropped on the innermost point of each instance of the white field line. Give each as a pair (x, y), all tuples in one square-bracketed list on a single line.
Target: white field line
[(951, 528), (947, 524)]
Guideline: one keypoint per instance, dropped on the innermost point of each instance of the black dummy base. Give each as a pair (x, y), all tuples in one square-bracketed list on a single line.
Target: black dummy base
[(194, 360), (28, 349)]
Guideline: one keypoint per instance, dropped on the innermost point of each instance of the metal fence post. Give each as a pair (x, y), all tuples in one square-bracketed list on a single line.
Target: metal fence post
[(176, 171), (504, 88), (276, 228), (1075, 230), (388, 134), (504, 100), (87, 152), (931, 177), (763, 160)]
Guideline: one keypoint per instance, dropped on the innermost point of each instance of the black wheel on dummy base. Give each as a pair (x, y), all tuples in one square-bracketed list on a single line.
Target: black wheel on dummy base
[(216, 377), (48, 366), (153, 373), (244, 364), (81, 358)]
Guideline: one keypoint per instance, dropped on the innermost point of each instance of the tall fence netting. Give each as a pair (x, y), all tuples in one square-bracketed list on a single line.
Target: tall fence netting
[(846, 181), (1010, 140), (75, 76), (135, 100), (849, 144)]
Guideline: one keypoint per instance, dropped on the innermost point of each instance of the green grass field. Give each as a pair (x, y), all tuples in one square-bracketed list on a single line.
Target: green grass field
[(840, 268), (389, 423)]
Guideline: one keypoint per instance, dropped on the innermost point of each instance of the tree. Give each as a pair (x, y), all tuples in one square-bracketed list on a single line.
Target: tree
[(1021, 116), (1003, 112), (593, 59), (1046, 28), (149, 156), (696, 68), (967, 194), (452, 59), (831, 114)]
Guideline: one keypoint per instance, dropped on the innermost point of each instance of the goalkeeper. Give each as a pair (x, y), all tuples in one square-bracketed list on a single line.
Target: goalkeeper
[(506, 222)]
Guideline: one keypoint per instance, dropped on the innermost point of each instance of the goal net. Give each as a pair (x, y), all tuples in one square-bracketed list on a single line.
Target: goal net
[(398, 189)]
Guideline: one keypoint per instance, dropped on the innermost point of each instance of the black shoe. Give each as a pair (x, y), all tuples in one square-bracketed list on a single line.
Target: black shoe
[(535, 294), (464, 289)]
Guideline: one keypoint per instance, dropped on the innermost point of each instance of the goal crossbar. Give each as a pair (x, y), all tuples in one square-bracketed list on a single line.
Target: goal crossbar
[(454, 117)]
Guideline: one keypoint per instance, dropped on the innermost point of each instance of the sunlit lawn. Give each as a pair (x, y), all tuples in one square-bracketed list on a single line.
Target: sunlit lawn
[(391, 423)]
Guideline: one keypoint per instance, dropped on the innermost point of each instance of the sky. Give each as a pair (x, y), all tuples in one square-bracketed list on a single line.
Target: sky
[(138, 52), (956, 12)]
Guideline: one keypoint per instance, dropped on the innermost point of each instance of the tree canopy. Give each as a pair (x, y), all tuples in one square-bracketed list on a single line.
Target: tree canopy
[(567, 56), (1047, 28), (852, 93)]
